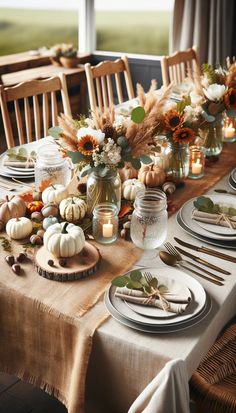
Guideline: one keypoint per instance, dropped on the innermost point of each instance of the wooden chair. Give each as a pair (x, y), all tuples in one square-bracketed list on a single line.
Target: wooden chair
[(177, 67), (213, 384), (35, 106), (99, 81)]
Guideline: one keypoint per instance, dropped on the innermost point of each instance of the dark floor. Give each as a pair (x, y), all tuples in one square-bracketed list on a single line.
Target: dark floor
[(19, 397)]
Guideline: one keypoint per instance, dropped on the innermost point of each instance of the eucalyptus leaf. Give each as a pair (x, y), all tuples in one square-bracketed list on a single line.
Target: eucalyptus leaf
[(120, 281), (145, 159), (75, 156), (154, 282), (23, 152), (135, 163), (163, 288), (122, 141), (55, 132), (204, 204), (134, 285), (135, 275), (86, 171), (138, 114), (208, 118)]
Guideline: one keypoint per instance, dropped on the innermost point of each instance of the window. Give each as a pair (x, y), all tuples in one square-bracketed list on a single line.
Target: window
[(133, 26)]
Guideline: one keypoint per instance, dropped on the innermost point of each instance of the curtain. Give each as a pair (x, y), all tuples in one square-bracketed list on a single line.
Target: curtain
[(207, 24)]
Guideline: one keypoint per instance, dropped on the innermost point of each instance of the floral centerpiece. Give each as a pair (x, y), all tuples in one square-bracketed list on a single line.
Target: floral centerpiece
[(65, 54), (214, 93), (103, 143)]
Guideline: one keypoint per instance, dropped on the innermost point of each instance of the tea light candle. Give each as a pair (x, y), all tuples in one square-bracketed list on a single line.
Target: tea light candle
[(229, 131), (107, 230), (196, 167), (105, 223)]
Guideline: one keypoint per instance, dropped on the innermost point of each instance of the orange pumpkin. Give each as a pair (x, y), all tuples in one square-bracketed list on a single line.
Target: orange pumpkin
[(151, 175), (128, 172), (35, 206)]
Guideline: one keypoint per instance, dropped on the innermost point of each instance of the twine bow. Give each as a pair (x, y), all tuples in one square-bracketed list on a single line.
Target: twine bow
[(153, 295), (226, 218)]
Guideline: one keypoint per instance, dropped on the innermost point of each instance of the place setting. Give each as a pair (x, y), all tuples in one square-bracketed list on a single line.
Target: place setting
[(154, 300), (211, 219)]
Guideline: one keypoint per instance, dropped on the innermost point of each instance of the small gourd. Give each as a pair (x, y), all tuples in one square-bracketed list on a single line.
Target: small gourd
[(50, 209), (130, 188), (73, 209), (36, 216), (128, 172), (151, 175), (35, 206), (64, 240), (54, 193), (11, 208), (19, 228), (48, 221)]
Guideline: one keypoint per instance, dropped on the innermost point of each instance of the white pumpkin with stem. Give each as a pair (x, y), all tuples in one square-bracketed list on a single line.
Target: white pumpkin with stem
[(19, 228), (64, 240), (11, 208), (73, 209), (54, 193), (130, 188)]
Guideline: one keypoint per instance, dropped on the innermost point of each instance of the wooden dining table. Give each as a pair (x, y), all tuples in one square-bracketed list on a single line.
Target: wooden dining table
[(129, 370)]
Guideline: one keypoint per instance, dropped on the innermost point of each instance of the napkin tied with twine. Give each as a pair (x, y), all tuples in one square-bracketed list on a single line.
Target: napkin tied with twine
[(221, 219)]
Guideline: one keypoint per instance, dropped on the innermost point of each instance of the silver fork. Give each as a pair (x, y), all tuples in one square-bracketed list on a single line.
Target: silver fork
[(179, 259)]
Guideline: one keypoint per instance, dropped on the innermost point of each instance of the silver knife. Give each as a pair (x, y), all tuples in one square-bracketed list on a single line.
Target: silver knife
[(206, 250), (203, 262)]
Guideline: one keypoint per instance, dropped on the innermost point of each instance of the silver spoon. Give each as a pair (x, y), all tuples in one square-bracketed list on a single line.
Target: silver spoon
[(171, 260)]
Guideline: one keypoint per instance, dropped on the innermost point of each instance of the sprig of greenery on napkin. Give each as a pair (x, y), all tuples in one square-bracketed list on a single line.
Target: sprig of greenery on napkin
[(21, 155), (205, 204), (136, 281)]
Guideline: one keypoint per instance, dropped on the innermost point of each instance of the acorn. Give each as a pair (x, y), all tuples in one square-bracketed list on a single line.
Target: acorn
[(16, 268), (21, 257), (41, 233), (10, 259), (62, 262), (51, 263), (37, 216), (36, 239), (169, 187)]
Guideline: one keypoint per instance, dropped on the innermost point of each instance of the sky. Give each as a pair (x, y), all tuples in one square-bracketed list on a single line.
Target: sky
[(99, 4)]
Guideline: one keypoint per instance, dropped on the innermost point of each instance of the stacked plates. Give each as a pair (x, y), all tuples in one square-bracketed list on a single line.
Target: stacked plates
[(17, 172), (153, 320), (211, 234), (232, 179)]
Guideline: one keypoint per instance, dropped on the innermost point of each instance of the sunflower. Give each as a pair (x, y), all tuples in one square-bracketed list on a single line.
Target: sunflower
[(173, 119), (87, 145), (183, 135), (230, 99)]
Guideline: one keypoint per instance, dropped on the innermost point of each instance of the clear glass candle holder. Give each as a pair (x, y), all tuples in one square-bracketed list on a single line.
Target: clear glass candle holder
[(229, 129), (197, 162), (105, 223)]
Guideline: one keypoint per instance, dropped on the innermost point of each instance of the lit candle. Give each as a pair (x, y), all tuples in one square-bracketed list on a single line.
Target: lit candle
[(196, 167), (107, 230), (229, 131)]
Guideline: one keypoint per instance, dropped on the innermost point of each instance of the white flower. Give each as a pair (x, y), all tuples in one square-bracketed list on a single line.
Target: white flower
[(192, 113), (214, 92), (110, 155), (121, 121), (96, 134), (196, 99)]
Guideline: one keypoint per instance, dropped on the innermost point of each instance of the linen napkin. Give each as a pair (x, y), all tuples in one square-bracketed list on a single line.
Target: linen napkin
[(222, 220), (176, 303), (15, 164)]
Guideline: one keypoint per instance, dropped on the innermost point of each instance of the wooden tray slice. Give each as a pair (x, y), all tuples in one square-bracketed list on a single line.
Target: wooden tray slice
[(79, 266)]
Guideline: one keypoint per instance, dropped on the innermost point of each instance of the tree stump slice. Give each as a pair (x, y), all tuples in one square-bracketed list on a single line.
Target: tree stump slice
[(79, 266)]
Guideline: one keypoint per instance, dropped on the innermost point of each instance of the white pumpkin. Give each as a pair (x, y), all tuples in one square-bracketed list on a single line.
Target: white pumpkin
[(54, 193), (19, 228), (130, 188), (72, 209), (11, 208), (64, 240)]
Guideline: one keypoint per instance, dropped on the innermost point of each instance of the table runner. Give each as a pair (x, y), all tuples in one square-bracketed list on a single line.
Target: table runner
[(46, 323)]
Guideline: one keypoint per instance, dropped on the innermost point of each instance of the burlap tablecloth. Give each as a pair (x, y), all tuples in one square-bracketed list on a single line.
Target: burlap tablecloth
[(47, 327)]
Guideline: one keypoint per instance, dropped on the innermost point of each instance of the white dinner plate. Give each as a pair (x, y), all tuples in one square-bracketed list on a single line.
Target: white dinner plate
[(173, 285), (196, 305), (217, 229), (14, 168), (218, 243), (157, 329), (232, 183), (233, 175), (186, 216)]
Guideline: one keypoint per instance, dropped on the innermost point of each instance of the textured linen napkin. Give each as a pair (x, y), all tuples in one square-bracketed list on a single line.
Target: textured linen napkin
[(19, 164), (222, 220), (176, 303)]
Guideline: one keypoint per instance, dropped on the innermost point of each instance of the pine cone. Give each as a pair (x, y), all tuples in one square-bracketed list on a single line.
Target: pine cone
[(108, 130)]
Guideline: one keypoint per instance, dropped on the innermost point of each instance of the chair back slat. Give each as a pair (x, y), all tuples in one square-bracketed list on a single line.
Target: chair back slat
[(177, 67), (105, 79), (28, 125), (54, 109), (45, 114), (37, 118), (19, 123), (37, 122), (119, 88)]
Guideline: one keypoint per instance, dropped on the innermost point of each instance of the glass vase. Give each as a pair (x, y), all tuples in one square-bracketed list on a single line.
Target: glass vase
[(103, 189), (212, 138), (178, 161)]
